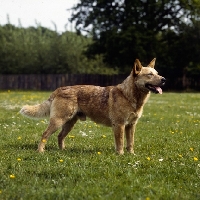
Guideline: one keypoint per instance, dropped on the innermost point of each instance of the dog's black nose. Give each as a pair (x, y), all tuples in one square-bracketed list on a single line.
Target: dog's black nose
[(163, 80)]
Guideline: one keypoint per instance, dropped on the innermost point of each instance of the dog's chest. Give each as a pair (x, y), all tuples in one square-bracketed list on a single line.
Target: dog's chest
[(136, 110), (133, 116)]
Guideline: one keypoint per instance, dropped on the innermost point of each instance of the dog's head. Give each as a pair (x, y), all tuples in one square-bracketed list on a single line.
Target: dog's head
[(147, 78)]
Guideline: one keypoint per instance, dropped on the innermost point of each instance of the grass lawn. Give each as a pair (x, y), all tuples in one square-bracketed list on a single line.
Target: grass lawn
[(166, 164)]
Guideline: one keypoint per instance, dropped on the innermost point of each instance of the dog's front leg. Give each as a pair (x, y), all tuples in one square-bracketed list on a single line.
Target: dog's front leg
[(118, 130), (130, 130)]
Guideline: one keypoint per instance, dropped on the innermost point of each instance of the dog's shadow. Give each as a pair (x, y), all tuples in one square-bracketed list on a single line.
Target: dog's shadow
[(54, 149)]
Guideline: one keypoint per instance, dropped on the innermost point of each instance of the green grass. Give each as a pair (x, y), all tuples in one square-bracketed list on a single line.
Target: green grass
[(166, 164)]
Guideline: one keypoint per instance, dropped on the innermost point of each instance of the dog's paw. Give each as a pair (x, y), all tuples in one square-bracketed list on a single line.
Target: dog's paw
[(120, 152), (131, 152), (40, 150)]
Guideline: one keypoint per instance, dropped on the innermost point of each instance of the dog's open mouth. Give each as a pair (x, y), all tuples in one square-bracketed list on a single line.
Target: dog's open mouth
[(154, 88)]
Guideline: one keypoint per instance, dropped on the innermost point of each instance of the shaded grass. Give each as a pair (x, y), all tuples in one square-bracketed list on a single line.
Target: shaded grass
[(166, 164)]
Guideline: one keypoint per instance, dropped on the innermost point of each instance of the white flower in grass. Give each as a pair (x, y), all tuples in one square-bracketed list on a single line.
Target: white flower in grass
[(135, 165), (160, 160), (83, 133)]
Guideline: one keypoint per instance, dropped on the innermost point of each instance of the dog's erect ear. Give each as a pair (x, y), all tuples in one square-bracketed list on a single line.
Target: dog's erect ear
[(137, 67), (152, 63)]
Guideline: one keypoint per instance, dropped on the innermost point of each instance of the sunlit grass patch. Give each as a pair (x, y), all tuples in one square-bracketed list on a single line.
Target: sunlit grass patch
[(166, 164)]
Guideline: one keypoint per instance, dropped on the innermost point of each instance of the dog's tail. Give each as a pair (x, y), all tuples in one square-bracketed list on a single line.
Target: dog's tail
[(41, 110), (37, 111)]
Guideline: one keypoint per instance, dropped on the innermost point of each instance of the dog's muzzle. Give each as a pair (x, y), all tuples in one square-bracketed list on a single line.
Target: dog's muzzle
[(156, 88)]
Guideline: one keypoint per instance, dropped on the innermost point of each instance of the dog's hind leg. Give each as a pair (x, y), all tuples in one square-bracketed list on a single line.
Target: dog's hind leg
[(62, 111), (54, 125), (66, 128)]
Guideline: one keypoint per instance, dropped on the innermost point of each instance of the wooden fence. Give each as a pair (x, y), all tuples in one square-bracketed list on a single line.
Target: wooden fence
[(53, 81)]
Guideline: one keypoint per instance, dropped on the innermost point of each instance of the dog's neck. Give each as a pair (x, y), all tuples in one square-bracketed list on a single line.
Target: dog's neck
[(132, 92)]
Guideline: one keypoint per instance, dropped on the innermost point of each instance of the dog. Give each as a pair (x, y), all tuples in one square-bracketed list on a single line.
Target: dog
[(118, 106)]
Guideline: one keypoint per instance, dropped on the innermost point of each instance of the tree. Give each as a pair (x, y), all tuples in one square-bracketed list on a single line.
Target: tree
[(186, 48), (43, 51), (123, 30)]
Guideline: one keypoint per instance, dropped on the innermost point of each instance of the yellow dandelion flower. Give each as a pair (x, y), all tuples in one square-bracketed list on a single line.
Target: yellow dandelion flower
[(180, 155), (104, 136), (195, 159), (44, 140), (43, 122), (147, 198), (8, 91), (148, 158), (0, 191), (19, 138), (99, 153), (19, 159), (61, 160), (191, 149), (12, 176), (71, 136)]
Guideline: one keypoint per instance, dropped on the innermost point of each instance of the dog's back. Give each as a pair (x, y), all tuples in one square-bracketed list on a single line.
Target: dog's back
[(92, 101)]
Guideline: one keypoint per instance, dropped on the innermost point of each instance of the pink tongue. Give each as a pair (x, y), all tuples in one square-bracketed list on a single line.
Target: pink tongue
[(159, 89)]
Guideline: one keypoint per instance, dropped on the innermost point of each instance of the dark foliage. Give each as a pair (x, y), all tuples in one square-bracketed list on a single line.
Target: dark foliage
[(43, 51), (123, 30)]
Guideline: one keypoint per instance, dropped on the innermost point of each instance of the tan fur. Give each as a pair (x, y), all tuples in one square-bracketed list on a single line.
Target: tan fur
[(117, 106)]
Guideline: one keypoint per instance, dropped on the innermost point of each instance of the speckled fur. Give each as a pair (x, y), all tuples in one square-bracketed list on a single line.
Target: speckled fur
[(119, 107)]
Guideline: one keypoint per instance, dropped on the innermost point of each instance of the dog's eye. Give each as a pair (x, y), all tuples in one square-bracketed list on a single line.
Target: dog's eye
[(150, 74)]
